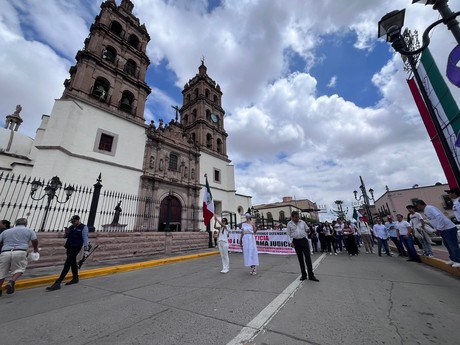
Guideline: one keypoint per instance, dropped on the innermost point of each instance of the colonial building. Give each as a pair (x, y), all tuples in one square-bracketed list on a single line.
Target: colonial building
[(280, 212), (395, 201), (98, 127)]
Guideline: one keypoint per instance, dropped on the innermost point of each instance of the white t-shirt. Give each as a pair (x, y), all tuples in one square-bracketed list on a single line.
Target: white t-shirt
[(437, 219), (456, 209), (363, 228), (416, 220), (403, 227), (223, 235)]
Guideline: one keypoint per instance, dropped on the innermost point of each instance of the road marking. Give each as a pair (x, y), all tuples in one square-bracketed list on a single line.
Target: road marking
[(250, 331)]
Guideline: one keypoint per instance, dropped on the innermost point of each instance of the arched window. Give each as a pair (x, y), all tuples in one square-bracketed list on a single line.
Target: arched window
[(186, 119), (127, 101), (130, 67), (133, 41), (193, 136), (209, 141), (116, 28), (193, 115), (219, 145), (188, 98), (240, 210), (109, 53), (208, 114), (101, 89), (269, 216), (206, 93), (282, 216), (196, 93), (216, 99)]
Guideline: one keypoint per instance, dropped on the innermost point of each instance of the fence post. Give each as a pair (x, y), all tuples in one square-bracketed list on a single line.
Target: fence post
[(94, 203)]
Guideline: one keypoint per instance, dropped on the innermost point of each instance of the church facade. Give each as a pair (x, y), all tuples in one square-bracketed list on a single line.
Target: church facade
[(98, 127)]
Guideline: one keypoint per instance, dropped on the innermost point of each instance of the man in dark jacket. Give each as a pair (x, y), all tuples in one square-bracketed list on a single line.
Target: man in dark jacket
[(77, 237)]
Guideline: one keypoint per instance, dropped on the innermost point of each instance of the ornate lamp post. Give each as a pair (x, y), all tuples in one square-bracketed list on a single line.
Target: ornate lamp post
[(50, 189), (365, 198), (390, 26)]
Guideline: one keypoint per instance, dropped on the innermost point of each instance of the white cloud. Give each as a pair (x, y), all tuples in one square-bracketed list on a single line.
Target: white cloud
[(333, 82)]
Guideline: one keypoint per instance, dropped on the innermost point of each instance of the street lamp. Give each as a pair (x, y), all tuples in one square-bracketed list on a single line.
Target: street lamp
[(50, 189), (365, 198), (390, 26), (448, 17)]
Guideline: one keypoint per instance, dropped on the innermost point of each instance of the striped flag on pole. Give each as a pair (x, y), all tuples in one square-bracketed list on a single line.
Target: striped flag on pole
[(443, 102), (208, 203)]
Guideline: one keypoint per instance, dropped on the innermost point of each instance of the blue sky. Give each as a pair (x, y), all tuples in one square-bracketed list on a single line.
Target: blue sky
[(313, 99)]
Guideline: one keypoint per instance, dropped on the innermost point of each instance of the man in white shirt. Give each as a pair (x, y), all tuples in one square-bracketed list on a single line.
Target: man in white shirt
[(404, 232), (381, 232), (445, 227), (454, 194), (14, 244), (297, 231), (418, 226), (365, 233)]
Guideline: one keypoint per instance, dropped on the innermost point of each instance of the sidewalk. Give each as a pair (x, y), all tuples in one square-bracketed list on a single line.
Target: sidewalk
[(42, 276)]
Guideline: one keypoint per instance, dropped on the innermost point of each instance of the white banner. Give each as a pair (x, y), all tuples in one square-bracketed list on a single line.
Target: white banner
[(268, 242)]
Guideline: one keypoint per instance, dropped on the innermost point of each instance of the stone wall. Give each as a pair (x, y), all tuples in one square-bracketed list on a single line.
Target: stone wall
[(120, 245)]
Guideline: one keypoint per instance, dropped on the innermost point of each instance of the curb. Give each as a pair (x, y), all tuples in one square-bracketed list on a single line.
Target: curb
[(96, 272), (440, 264)]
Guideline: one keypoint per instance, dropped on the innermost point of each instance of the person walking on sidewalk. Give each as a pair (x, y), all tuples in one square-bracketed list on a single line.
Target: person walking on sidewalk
[(297, 231), (14, 244), (248, 243), (418, 225), (445, 227), (381, 232), (404, 232), (222, 242), (77, 236)]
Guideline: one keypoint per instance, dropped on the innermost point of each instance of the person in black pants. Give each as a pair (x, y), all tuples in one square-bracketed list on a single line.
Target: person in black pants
[(297, 231), (77, 237)]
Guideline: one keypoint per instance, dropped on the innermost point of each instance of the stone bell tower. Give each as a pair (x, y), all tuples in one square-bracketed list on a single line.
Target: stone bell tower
[(111, 68), (97, 126), (202, 115)]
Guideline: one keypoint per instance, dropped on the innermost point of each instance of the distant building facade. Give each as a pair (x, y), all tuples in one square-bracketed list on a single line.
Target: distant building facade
[(395, 201)]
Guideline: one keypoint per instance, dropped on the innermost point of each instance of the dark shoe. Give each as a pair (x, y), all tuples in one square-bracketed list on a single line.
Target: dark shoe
[(55, 286), (1, 291), (71, 282), (411, 260), (303, 278), (10, 287), (313, 279)]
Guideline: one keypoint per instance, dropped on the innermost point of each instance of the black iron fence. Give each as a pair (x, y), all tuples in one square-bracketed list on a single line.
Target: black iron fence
[(48, 210)]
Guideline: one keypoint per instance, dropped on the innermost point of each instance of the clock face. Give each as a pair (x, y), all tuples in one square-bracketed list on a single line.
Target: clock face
[(214, 118)]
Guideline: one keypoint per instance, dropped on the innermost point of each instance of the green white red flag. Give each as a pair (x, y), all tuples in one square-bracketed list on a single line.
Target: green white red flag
[(208, 204)]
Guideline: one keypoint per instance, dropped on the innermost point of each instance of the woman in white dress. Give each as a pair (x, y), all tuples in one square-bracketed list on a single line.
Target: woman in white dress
[(248, 243)]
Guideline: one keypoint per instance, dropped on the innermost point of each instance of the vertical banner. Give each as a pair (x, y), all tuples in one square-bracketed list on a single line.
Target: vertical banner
[(444, 105)]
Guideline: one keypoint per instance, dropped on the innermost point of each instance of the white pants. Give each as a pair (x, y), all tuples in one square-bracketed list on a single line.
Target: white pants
[(311, 247), (223, 249)]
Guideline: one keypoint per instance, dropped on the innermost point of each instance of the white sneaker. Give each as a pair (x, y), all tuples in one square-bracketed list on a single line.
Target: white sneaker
[(335, 253), (456, 264), (224, 271), (450, 262), (330, 253)]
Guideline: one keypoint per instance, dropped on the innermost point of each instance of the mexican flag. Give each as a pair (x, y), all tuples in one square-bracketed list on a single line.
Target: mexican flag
[(208, 204), (444, 105)]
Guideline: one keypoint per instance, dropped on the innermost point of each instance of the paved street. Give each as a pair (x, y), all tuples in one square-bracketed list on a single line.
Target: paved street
[(359, 300)]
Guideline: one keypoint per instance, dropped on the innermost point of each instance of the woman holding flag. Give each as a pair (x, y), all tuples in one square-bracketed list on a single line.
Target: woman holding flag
[(248, 243)]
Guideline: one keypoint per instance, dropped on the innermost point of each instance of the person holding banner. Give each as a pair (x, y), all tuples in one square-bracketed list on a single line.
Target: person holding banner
[(222, 242), (297, 231), (248, 243)]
